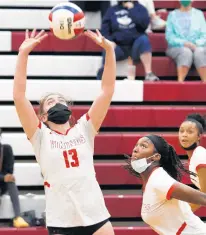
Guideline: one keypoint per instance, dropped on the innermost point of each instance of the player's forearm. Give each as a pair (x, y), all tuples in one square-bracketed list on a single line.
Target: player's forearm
[(202, 176), (109, 74), (20, 76)]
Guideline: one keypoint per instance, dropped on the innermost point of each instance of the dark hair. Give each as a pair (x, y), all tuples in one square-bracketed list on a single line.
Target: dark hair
[(169, 160), (198, 120)]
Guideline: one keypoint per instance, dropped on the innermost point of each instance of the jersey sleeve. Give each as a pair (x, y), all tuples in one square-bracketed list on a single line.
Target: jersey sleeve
[(164, 185), (199, 157), (36, 139), (87, 127)]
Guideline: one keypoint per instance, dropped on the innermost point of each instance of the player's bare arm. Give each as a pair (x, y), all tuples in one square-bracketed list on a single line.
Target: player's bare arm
[(101, 105), (26, 113), (201, 173), (185, 193)]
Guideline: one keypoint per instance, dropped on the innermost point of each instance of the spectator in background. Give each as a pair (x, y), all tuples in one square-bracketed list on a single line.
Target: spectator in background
[(186, 37), (125, 25), (156, 22), (7, 183)]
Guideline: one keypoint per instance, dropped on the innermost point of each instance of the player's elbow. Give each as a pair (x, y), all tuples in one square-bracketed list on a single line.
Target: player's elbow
[(15, 96), (18, 93), (18, 96), (108, 91)]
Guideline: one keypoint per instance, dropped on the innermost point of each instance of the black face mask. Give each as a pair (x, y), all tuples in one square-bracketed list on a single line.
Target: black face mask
[(59, 114), (191, 147)]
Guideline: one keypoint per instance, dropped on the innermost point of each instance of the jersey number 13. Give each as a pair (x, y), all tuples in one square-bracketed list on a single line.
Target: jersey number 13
[(71, 158)]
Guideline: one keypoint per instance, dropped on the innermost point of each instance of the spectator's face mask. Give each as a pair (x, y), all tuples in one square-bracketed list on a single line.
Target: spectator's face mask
[(185, 3), (59, 114)]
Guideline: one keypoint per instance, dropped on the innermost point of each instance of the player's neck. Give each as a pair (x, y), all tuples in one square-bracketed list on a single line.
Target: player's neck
[(146, 174), (61, 128), (189, 153)]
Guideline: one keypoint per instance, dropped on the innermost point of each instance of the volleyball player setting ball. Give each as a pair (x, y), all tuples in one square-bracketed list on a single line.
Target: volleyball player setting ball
[(74, 201)]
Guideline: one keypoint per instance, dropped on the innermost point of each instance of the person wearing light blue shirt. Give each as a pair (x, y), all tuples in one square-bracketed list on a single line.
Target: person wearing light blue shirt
[(186, 38)]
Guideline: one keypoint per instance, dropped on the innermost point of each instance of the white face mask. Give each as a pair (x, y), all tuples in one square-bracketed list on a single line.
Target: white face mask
[(140, 165)]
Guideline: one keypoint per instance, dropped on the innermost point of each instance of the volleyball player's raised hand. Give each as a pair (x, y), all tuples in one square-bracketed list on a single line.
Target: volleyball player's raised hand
[(99, 39), (32, 40)]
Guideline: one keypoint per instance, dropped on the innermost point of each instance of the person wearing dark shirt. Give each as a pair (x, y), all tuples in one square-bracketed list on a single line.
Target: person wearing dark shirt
[(7, 183), (125, 25)]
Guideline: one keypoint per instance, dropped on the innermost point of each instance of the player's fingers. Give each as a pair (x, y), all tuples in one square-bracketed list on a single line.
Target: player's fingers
[(33, 33), (98, 33), (94, 37), (91, 33), (88, 34), (103, 39), (40, 34), (26, 34), (40, 39)]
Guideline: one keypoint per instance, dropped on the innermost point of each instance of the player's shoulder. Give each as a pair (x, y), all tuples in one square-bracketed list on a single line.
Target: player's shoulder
[(199, 153), (160, 181), (84, 118), (83, 121), (44, 129), (43, 126), (159, 171), (159, 175), (200, 149)]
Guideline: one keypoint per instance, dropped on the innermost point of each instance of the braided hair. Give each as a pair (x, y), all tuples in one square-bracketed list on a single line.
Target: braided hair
[(169, 160)]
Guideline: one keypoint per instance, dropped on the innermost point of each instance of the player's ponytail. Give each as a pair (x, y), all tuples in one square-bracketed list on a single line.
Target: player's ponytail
[(172, 164)]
